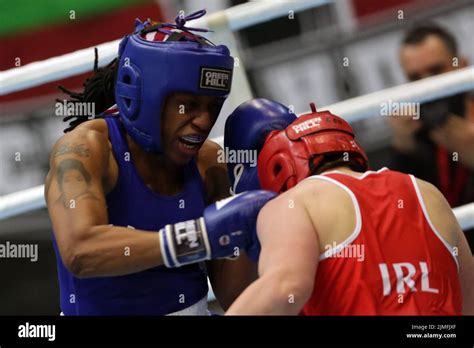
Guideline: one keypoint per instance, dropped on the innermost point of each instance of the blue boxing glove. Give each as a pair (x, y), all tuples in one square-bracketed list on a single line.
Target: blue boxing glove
[(226, 227), (246, 129)]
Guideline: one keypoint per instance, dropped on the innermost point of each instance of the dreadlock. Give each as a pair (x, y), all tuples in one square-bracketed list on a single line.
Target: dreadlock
[(98, 89)]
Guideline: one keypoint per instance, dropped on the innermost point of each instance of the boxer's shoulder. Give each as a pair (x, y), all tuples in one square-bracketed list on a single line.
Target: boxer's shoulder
[(438, 210), (89, 143), (207, 158), (325, 201), (87, 139), (213, 171), (432, 197), (208, 154), (325, 191), (94, 128)]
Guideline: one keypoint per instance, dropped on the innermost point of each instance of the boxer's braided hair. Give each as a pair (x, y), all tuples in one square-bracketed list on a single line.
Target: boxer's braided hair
[(98, 89)]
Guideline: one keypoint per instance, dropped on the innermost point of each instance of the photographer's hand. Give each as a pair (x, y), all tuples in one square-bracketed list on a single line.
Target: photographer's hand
[(457, 135), (404, 130)]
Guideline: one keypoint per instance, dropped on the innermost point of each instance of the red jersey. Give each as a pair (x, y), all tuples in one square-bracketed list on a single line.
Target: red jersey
[(394, 262)]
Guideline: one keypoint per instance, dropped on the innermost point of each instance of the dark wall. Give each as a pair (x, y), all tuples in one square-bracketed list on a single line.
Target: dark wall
[(29, 288)]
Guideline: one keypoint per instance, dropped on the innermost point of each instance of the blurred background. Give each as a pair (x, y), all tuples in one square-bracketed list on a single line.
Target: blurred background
[(326, 54)]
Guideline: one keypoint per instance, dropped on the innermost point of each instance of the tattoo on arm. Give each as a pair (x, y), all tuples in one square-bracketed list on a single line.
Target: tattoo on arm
[(68, 148), (74, 181)]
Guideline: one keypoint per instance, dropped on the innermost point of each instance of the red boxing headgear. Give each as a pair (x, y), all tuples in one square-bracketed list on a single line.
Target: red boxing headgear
[(290, 155)]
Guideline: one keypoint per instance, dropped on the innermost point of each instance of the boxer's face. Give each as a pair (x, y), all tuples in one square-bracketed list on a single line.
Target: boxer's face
[(186, 122), (427, 58)]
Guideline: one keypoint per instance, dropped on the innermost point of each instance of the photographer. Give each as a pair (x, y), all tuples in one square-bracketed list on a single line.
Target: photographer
[(439, 146)]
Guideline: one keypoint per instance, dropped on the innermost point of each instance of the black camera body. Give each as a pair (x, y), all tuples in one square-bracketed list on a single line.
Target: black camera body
[(435, 113)]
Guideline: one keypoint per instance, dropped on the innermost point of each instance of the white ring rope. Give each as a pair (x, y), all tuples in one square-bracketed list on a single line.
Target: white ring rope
[(352, 109), (465, 215), (427, 89), (81, 61), (31, 199), (21, 202), (369, 105)]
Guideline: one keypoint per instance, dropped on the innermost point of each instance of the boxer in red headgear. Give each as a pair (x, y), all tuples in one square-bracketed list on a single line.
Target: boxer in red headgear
[(292, 155), (341, 240)]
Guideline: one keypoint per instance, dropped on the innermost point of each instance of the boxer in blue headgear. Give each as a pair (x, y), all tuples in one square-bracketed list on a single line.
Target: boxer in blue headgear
[(246, 130), (127, 193), (151, 67)]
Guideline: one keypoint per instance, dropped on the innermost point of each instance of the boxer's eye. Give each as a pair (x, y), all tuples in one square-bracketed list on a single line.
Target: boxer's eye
[(192, 105), (188, 105)]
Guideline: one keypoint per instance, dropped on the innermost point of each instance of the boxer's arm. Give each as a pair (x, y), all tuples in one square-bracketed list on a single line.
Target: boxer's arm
[(228, 277), (446, 223), (466, 272), (74, 193), (288, 261)]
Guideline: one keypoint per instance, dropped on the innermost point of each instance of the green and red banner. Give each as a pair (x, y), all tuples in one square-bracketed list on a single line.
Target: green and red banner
[(34, 30)]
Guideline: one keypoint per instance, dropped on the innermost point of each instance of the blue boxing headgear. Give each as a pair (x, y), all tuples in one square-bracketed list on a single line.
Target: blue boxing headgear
[(149, 71), (246, 130)]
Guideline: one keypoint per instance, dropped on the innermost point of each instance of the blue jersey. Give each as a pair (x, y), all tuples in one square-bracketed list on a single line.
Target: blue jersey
[(155, 291)]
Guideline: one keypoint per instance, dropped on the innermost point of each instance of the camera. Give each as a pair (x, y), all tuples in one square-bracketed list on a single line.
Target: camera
[(435, 113)]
